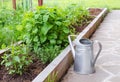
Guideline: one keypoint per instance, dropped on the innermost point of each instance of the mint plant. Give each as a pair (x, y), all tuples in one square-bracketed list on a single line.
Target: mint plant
[(48, 27), (17, 60), (45, 26)]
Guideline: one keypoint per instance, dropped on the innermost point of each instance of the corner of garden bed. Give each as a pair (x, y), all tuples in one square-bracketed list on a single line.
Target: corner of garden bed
[(59, 66)]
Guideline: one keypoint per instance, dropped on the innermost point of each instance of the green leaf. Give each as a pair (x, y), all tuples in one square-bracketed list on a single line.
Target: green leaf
[(58, 23), (43, 38), (35, 31), (16, 58), (27, 62), (52, 36), (28, 26), (45, 18), (52, 15), (59, 41), (3, 46), (20, 66), (8, 64), (35, 48), (11, 71), (24, 50), (35, 39), (3, 61), (65, 30), (46, 28), (23, 58), (52, 41), (36, 16), (19, 27)]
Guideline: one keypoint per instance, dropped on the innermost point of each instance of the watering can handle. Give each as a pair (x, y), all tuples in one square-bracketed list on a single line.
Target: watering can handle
[(100, 48), (71, 44)]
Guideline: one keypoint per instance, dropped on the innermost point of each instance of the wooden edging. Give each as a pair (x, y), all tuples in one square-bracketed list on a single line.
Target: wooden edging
[(58, 67), (5, 50)]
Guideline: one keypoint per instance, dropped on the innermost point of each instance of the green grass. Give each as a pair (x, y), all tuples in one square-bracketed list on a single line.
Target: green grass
[(112, 4)]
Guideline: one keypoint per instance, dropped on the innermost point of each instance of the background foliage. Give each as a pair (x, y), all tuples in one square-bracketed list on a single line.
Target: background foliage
[(112, 4)]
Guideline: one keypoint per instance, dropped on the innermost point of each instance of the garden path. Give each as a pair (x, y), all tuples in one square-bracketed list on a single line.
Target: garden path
[(108, 63)]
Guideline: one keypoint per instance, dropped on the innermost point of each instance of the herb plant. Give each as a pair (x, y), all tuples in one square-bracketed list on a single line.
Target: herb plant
[(48, 53), (48, 27), (17, 60), (45, 26), (10, 26)]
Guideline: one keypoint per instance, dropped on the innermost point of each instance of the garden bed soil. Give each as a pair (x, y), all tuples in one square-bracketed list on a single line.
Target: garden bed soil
[(37, 66), (32, 71), (93, 13)]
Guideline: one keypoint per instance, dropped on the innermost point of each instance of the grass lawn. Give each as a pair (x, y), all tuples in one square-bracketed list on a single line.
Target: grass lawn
[(112, 4)]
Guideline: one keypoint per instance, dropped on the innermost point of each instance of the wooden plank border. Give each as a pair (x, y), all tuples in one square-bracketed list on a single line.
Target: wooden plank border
[(5, 50)]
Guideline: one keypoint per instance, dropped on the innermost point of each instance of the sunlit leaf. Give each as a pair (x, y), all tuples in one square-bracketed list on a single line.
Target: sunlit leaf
[(16, 58), (43, 38), (45, 18), (46, 28)]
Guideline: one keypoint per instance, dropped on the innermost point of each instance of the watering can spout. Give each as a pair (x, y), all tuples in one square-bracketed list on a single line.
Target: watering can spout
[(71, 45)]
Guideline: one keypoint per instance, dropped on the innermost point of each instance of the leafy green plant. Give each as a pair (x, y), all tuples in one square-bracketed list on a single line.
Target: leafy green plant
[(77, 15), (10, 26), (48, 53), (45, 26), (50, 26), (17, 60), (42, 28)]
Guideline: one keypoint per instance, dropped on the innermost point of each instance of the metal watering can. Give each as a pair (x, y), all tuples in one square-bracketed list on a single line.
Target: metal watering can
[(84, 60)]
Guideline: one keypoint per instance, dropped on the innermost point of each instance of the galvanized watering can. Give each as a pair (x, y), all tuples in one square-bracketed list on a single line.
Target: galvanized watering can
[(84, 60)]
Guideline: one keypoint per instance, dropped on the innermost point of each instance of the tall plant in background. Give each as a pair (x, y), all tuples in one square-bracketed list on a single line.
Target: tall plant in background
[(25, 5), (10, 26), (2, 3)]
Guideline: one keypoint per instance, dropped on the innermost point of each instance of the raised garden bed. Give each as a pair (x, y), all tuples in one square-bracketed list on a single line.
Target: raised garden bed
[(57, 68)]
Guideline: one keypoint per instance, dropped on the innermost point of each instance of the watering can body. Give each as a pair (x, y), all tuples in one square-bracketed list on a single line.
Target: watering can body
[(84, 59)]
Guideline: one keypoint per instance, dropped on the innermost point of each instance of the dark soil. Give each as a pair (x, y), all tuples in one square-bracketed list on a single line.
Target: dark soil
[(80, 28), (33, 70), (93, 13), (37, 66)]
